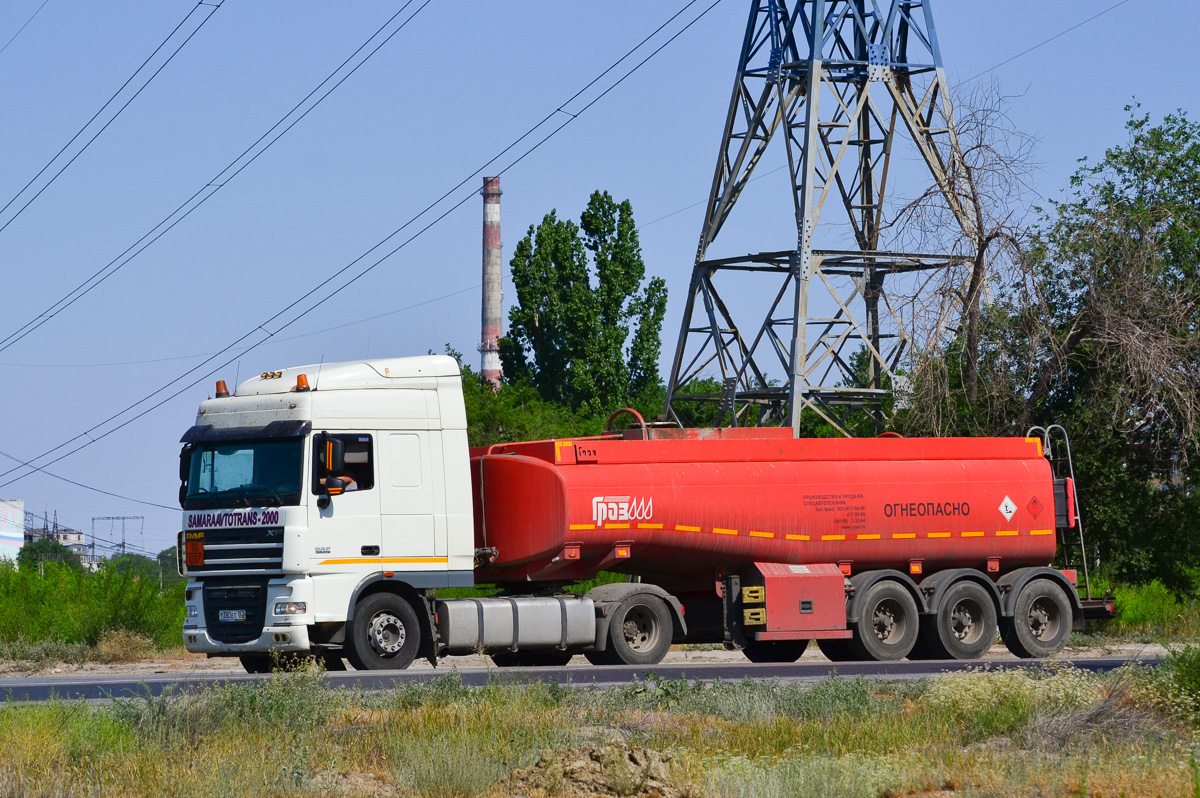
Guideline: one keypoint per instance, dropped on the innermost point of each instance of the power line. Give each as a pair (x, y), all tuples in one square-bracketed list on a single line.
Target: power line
[(1044, 43), (82, 485), (91, 439), (113, 118), (22, 28), (273, 340), (219, 181)]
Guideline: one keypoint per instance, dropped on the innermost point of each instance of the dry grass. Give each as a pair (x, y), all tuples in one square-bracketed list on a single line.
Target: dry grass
[(1062, 733)]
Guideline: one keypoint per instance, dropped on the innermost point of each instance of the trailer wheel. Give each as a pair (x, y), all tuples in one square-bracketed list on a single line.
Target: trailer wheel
[(531, 659), (887, 623), (963, 628), (384, 634), (837, 650), (1041, 620), (774, 650), (640, 630), (257, 663)]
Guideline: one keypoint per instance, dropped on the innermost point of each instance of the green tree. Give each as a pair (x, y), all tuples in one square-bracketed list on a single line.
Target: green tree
[(585, 331), (45, 550), (1101, 333)]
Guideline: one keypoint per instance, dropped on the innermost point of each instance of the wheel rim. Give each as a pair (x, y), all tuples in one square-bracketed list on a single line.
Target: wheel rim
[(1043, 619), (640, 629), (386, 634), (889, 622), (966, 621)]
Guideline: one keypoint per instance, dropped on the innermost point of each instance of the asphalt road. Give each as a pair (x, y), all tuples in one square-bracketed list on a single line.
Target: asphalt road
[(95, 687)]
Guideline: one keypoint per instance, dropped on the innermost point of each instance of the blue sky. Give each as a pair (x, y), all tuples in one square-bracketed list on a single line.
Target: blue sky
[(459, 83)]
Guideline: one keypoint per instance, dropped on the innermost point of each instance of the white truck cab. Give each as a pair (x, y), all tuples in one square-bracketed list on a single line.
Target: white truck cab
[(308, 490)]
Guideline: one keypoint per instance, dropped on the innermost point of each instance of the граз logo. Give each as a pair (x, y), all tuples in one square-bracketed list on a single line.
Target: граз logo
[(621, 508)]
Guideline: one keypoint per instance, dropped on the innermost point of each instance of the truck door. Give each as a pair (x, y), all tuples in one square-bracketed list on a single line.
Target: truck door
[(348, 531), (412, 496)]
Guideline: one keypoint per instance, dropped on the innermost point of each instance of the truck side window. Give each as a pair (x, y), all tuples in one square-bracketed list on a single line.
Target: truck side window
[(360, 462)]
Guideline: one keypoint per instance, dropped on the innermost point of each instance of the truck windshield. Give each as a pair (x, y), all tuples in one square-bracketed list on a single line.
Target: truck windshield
[(245, 473)]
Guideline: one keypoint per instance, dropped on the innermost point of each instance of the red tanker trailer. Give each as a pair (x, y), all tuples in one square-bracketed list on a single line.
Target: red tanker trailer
[(327, 507), (878, 548)]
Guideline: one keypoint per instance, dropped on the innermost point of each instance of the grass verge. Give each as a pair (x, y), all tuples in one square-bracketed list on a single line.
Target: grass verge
[(981, 733)]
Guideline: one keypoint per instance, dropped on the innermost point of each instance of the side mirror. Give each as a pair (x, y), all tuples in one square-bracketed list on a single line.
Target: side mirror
[(331, 453), (335, 486), (185, 462)]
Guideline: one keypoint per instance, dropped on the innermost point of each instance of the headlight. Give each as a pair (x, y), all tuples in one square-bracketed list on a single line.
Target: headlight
[(193, 611), (291, 608)]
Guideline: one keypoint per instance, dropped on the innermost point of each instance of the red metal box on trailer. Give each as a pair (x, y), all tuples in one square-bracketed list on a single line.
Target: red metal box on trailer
[(794, 599)]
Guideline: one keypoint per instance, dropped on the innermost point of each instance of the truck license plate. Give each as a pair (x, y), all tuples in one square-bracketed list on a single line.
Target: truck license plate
[(232, 615)]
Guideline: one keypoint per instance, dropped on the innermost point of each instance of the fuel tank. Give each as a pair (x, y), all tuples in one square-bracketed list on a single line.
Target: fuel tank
[(689, 508)]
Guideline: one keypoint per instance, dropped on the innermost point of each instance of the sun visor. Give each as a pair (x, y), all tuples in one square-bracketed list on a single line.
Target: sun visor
[(203, 433)]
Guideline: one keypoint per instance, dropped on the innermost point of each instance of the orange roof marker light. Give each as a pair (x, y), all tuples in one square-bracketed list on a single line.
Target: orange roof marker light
[(222, 389), (301, 382)]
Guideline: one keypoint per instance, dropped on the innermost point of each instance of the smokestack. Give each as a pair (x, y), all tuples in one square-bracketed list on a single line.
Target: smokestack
[(490, 344)]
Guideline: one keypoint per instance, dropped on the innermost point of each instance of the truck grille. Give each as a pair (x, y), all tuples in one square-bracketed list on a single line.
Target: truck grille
[(243, 605), (249, 550)]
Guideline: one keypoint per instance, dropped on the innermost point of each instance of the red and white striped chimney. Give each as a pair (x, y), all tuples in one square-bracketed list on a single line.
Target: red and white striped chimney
[(490, 344)]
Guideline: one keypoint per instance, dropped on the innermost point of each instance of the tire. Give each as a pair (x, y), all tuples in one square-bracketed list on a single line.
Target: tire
[(837, 650), (531, 659), (1041, 621), (964, 627), (640, 630), (887, 623), (384, 634), (774, 650), (257, 663)]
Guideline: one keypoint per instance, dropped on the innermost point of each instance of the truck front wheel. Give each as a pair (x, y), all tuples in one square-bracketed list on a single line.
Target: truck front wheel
[(384, 634), (640, 631)]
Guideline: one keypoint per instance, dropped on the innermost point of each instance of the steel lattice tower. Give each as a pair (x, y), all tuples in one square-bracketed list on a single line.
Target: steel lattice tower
[(833, 79)]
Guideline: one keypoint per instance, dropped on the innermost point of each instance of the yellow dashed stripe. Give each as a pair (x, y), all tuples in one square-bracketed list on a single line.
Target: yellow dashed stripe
[(583, 526), (616, 526), (797, 537), (383, 560), (938, 535), (867, 537), (903, 535), (754, 534), (1042, 532), (679, 528), (1007, 533), (833, 537), (650, 526), (719, 531), (972, 534)]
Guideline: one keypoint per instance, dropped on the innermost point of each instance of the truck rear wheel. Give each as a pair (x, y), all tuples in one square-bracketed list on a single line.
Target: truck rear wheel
[(887, 623), (774, 650), (1041, 620), (640, 630), (384, 634), (963, 628)]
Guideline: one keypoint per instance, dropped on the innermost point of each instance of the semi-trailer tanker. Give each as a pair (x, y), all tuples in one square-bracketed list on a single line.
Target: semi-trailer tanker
[(325, 507)]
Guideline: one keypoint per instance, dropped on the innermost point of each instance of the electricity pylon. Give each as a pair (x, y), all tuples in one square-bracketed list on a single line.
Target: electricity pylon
[(834, 79)]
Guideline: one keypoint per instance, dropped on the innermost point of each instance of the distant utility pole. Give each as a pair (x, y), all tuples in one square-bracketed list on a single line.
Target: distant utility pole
[(112, 519), (833, 79)]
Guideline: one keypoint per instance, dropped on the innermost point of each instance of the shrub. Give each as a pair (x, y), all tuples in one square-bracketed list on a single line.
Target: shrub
[(68, 605)]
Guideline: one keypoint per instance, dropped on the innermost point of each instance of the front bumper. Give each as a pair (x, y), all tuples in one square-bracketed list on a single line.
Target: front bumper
[(273, 638)]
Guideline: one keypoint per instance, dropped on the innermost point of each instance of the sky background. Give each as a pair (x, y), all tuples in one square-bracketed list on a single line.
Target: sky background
[(432, 106)]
